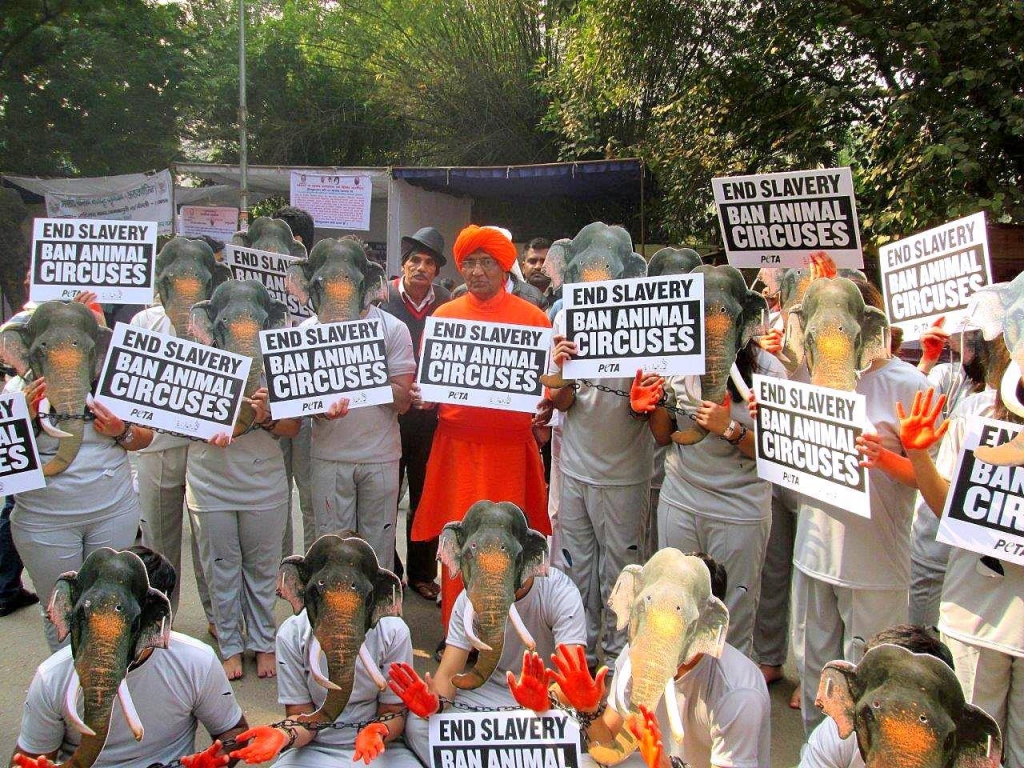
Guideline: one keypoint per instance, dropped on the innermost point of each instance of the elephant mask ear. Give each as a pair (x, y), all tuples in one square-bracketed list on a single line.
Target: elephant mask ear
[(277, 314), (874, 330), (297, 281), (624, 593), (62, 603), (793, 339), (103, 337), (979, 743), (297, 249), (449, 547), (221, 274), (535, 556), (200, 325), (375, 284), (634, 266), (986, 310), (753, 318), (291, 584), (387, 596), (14, 344), (155, 621), (709, 634), (837, 695)]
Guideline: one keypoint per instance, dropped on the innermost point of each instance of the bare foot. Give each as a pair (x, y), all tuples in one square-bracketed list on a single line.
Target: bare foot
[(233, 667), (794, 700), (771, 673), (266, 664)]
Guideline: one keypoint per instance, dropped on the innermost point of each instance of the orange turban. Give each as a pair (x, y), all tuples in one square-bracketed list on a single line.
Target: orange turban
[(486, 239)]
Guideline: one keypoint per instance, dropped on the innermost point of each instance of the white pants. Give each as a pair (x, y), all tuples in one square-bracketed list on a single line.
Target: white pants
[(556, 552), (832, 622), (297, 467), (599, 528), (994, 682), (738, 547), (361, 498), (771, 623), (241, 553)]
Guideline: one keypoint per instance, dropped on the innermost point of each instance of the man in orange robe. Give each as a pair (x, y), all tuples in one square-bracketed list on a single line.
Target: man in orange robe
[(482, 453)]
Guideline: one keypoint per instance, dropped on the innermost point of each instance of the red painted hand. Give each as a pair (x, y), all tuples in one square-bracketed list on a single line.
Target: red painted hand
[(266, 743), (24, 761), (581, 690), (410, 688), (531, 690), (646, 392), (211, 757), (647, 731), (821, 265), (917, 431), (370, 743), (933, 341)]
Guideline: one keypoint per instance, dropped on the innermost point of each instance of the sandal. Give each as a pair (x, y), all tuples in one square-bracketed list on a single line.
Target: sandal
[(428, 590)]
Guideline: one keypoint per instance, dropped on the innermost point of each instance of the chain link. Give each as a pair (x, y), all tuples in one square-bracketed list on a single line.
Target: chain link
[(602, 388)]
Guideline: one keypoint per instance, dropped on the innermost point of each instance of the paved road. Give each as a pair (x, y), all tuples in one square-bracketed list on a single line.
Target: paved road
[(24, 648)]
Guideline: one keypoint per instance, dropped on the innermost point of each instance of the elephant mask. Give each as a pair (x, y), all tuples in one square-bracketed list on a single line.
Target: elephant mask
[(273, 235), (732, 316), (337, 279), (672, 617), (112, 615), (496, 553), (186, 273), (673, 261), (999, 310), (554, 263), (64, 343), (345, 593), (908, 711), (232, 320), (837, 333)]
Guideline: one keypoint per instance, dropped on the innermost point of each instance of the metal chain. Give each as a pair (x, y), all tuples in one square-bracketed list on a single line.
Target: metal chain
[(57, 418), (602, 388)]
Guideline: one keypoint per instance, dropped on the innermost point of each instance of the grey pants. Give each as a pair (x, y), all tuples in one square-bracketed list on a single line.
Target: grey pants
[(599, 528), (317, 755), (297, 467), (161, 480), (361, 498), (49, 545), (241, 553), (771, 623), (738, 547), (925, 592)]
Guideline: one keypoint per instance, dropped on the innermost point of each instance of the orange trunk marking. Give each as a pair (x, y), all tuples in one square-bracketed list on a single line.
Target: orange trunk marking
[(593, 275), (910, 742)]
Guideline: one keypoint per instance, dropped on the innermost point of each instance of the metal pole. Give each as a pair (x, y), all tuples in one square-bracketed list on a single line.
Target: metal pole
[(243, 153), (643, 229)]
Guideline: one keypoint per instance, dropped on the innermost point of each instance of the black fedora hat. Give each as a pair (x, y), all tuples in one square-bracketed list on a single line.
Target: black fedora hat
[(428, 238)]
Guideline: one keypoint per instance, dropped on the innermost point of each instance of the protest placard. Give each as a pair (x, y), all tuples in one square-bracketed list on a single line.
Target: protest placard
[(935, 273), (217, 222), (490, 365), (309, 369), (114, 259), (506, 739), (20, 469), (271, 269), (985, 505), (118, 198), (172, 384), (334, 200), (806, 439), (654, 323), (778, 219)]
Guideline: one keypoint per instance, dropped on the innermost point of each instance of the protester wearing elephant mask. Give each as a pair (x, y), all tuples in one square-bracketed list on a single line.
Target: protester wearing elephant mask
[(513, 602), (144, 688), (981, 612)]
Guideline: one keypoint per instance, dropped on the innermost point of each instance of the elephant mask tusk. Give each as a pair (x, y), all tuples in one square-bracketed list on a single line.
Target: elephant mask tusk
[(741, 385), (1008, 389), (675, 722), (131, 715), (621, 681), (521, 630), (71, 705), (314, 665), (468, 619), (371, 668), (44, 421)]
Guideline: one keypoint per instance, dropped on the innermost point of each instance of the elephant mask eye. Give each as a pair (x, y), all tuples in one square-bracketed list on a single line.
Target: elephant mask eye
[(320, 583), (117, 607), (876, 704), (923, 719)]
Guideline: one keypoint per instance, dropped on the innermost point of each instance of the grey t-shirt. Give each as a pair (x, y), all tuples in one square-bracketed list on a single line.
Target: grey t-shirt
[(248, 474), (843, 548), (826, 750), (174, 690), (553, 612), (155, 319), (713, 478), (368, 435), (387, 643), (602, 444)]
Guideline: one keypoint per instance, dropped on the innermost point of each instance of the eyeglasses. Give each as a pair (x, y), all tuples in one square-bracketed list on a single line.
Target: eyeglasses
[(486, 264)]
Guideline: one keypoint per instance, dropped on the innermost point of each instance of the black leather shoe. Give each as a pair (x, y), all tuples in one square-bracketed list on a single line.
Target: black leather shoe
[(22, 599)]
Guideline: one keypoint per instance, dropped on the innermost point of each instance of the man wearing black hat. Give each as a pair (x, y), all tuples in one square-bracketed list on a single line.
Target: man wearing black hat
[(411, 298)]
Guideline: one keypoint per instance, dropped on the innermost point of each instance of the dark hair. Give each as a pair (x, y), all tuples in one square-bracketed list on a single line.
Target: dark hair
[(161, 573), (719, 578), (872, 296), (914, 638), (215, 245), (537, 244), (746, 364), (300, 222)]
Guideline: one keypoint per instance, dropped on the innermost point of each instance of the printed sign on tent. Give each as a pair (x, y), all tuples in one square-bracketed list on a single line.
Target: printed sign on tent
[(334, 200), (653, 323), (309, 369), (490, 365), (172, 384), (935, 273), (147, 200), (806, 441), (984, 510), (114, 259), (20, 468), (217, 222), (271, 269), (778, 219), (504, 738)]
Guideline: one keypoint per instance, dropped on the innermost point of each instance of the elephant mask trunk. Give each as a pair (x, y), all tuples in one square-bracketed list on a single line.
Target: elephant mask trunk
[(340, 631), (491, 594), (721, 339), (340, 300), (186, 292), (832, 357), (68, 384)]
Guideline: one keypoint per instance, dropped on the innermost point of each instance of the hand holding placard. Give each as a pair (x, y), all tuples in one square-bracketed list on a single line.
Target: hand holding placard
[(646, 392), (917, 431)]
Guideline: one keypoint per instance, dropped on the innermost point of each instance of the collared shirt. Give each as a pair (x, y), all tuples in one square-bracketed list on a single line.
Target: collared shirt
[(414, 305)]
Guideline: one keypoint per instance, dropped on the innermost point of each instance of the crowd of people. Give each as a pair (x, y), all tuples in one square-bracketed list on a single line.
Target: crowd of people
[(573, 522)]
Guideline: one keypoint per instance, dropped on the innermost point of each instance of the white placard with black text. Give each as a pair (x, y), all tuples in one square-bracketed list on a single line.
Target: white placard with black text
[(271, 269), (20, 468), (506, 738)]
